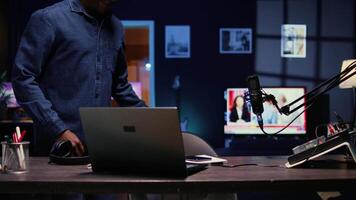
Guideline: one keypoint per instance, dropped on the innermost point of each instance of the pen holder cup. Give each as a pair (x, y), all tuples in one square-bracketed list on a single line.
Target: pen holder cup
[(15, 158)]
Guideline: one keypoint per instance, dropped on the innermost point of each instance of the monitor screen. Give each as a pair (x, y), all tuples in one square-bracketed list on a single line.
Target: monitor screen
[(239, 118)]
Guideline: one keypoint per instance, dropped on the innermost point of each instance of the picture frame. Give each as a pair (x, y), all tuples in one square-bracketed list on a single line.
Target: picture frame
[(177, 41), (293, 41), (235, 41)]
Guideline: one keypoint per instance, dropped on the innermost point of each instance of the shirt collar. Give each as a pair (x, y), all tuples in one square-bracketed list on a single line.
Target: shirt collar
[(76, 6)]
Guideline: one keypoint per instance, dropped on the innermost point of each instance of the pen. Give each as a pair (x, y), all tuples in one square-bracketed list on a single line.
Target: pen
[(18, 139), (23, 133), (18, 132), (14, 138), (20, 152)]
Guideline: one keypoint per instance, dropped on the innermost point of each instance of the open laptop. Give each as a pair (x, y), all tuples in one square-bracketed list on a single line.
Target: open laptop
[(136, 141)]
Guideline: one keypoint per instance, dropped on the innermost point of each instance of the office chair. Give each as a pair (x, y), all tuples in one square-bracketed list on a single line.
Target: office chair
[(194, 145)]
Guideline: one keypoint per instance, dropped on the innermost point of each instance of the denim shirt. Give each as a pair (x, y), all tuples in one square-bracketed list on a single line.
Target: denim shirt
[(67, 59)]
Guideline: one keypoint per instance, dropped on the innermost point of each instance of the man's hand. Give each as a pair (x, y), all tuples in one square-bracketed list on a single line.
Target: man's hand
[(78, 148)]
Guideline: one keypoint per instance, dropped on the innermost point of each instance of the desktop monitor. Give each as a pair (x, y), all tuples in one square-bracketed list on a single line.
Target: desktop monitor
[(240, 120)]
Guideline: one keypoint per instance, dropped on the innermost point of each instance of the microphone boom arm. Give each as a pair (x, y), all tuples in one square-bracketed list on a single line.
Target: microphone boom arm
[(337, 79)]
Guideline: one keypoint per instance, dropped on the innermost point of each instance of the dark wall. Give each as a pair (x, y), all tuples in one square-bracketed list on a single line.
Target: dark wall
[(205, 75), (3, 36), (330, 40), (18, 13)]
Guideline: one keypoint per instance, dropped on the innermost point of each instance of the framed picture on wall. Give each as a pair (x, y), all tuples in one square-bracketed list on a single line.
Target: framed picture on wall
[(235, 40), (177, 42), (293, 41)]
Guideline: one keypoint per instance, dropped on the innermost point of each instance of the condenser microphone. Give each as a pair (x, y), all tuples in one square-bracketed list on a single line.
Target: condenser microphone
[(255, 94), (256, 99)]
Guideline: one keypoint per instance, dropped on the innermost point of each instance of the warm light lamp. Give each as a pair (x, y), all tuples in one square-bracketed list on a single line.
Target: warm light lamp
[(351, 82)]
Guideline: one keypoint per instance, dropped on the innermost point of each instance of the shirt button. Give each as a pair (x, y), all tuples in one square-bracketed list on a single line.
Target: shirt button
[(96, 96), (97, 77)]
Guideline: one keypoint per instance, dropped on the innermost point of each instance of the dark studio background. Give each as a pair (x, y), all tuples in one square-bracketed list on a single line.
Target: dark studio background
[(205, 76)]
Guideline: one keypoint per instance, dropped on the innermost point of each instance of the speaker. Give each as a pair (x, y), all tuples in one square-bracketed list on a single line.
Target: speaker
[(61, 154)]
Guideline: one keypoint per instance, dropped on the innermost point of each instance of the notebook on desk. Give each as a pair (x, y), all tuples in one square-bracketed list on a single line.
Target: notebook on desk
[(136, 141)]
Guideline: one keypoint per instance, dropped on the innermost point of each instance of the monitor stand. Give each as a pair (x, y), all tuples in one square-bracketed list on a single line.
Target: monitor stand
[(346, 138)]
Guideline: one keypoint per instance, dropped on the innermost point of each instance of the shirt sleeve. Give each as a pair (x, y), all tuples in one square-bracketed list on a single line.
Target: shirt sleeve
[(33, 51), (122, 90)]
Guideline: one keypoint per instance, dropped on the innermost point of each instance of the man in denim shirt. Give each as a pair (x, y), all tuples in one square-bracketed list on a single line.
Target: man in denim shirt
[(71, 55)]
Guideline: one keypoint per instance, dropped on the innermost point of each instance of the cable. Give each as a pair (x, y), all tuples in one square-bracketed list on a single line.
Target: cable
[(246, 164), (237, 165), (261, 126)]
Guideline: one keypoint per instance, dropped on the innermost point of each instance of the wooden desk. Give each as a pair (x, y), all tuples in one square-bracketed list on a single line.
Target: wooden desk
[(44, 178)]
